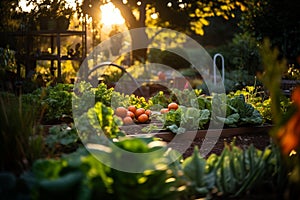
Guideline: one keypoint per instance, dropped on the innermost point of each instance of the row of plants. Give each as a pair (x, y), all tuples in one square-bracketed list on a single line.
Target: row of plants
[(236, 173), (100, 117), (56, 102)]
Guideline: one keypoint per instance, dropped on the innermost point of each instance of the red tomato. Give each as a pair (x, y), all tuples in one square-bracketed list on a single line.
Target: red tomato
[(127, 120), (139, 111), (164, 110), (132, 108), (161, 76), (173, 106), (148, 112), (130, 114), (121, 112), (143, 118)]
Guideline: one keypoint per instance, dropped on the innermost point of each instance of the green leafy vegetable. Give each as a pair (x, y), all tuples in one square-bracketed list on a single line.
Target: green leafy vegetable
[(194, 169), (248, 114)]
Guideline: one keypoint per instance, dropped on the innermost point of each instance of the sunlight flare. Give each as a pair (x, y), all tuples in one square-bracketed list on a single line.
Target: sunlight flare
[(110, 15)]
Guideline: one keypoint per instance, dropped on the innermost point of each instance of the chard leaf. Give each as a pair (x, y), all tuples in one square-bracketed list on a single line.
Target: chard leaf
[(255, 118), (194, 169), (231, 120), (175, 129), (243, 108), (204, 118)]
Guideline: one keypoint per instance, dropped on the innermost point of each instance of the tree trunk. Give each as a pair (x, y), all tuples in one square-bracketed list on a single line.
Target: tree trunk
[(139, 44), (139, 38)]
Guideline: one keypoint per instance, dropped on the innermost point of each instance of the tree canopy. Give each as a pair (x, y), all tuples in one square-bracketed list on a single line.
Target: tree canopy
[(278, 20), (184, 15), (8, 14), (189, 16), (275, 19)]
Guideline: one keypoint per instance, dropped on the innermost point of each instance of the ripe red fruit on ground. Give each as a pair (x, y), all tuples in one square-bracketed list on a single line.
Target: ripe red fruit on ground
[(148, 112), (139, 111), (121, 112), (173, 106), (127, 120), (130, 114), (161, 76), (164, 110), (132, 108), (143, 118)]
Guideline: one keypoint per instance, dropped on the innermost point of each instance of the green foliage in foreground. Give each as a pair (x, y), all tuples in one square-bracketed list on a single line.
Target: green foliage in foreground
[(80, 175), (238, 171)]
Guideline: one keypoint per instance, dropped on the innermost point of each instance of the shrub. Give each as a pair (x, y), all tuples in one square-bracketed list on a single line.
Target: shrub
[(242, 53)]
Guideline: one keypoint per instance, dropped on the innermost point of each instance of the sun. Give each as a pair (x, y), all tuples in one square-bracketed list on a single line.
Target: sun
[(110, 15), (26, 6)]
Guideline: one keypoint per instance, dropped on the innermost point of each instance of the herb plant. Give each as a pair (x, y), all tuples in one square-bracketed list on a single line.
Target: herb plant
[(19, 129)]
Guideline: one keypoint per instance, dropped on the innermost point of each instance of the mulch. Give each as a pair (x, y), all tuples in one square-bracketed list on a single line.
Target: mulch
[(260, 141)]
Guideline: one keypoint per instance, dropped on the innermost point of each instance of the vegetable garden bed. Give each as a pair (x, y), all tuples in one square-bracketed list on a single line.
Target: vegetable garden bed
[(244, 136), (167, 136)]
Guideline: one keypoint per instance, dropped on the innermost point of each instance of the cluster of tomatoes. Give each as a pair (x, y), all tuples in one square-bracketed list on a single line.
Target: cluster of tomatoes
[(132, 114), (171, 106)]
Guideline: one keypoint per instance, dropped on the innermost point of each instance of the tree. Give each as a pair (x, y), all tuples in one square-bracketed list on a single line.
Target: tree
[(182, 15), (278, 20), (7, 15)]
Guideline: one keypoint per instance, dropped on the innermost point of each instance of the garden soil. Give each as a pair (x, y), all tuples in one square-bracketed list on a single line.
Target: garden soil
[(259, 139)]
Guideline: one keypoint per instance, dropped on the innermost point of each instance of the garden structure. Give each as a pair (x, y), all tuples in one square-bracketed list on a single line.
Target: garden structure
[(33, 48)]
